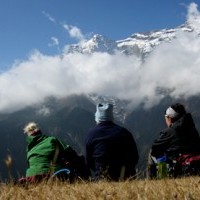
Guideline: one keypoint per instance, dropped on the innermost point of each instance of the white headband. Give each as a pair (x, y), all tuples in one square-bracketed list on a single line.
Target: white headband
[(170, 112)]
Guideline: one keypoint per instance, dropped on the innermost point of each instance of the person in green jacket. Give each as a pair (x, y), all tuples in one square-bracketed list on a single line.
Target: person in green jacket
[(44, 154)]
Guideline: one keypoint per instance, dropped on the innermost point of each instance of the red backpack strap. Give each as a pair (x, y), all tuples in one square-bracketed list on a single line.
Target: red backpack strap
[(193, 158), (186, 159)]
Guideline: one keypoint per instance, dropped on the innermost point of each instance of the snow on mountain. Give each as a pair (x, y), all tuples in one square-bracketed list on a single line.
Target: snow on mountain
[(97, 43), (139, 44), (145, 42)]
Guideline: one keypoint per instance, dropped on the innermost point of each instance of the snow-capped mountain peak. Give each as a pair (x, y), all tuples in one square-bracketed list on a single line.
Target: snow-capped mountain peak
[(97, 43), (139, 44)]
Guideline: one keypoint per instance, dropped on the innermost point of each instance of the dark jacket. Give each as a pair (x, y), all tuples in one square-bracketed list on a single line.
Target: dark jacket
[(180, 137), (109, 149)]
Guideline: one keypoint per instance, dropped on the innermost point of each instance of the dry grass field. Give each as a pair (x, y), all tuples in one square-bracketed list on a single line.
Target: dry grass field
[(172, 189)]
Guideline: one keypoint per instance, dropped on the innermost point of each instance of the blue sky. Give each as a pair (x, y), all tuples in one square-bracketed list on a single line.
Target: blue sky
[(38, 24)]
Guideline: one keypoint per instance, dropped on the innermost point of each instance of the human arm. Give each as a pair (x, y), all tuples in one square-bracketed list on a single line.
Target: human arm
[(162, 143)]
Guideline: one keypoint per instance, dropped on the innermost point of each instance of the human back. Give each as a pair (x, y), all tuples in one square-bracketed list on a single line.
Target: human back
[(47, 155), (111, 151), (181, 135), (178, 144), (40, 154)]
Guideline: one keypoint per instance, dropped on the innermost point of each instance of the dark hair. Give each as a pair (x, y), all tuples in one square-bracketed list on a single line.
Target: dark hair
[(180, 109)]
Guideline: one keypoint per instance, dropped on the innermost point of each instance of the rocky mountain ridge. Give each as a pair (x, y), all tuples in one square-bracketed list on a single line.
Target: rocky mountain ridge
[(139, 44)]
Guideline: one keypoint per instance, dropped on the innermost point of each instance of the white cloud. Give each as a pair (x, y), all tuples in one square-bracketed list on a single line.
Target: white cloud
[(44, 111), (48, 16), (192, 11), (172, 67), (55, 43), (74, 32), (41, 76), (193, 16)]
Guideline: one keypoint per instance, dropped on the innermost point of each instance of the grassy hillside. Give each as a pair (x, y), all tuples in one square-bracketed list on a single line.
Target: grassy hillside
[(169, 189)]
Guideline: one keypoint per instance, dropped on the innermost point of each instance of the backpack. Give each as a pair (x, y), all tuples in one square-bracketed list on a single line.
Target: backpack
[(190, 164), (74, 164), (183, 165)]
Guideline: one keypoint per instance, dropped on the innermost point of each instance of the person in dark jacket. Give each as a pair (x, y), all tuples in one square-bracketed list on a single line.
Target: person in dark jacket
[(111, 151), (180, 136)]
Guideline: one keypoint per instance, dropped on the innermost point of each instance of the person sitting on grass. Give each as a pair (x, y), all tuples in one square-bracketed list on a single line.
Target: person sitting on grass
[(111, 151), (179, 138), (46, 155)]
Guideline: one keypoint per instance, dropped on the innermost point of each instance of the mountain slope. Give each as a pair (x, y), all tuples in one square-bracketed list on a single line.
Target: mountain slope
[(70, 118), (139, 44)]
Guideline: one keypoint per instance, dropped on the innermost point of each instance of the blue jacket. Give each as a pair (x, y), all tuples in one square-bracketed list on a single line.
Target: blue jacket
[(110, 149)]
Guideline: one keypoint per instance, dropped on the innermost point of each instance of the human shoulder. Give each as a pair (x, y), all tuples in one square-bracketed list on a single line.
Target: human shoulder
[(167, 133), (48, 138), (53, 141)]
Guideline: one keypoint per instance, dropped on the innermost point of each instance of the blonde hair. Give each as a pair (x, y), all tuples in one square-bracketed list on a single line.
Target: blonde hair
[(30, 128)]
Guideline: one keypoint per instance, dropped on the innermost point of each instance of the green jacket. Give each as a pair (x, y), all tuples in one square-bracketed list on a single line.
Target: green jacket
[(41, 154)]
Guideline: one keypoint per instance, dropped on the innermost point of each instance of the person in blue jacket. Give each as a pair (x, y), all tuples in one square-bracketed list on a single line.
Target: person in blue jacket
[(111, 151)]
